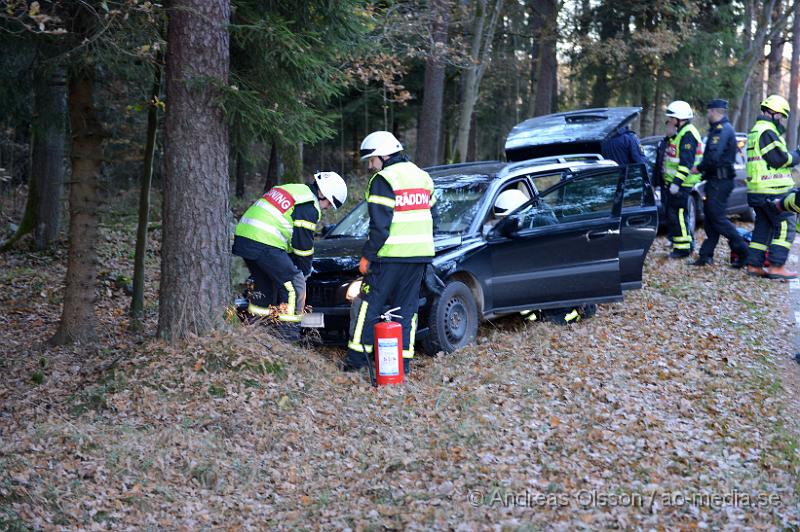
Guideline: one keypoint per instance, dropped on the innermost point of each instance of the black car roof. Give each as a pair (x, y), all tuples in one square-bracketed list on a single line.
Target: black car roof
[(462, 174), (583, 126)]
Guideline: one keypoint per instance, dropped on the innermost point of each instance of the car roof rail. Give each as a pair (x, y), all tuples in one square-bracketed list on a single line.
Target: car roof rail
[(458, 165), (553, 159)]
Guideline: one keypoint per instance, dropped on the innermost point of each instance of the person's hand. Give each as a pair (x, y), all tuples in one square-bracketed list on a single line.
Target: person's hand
[(674, 188), (776, 204), (363, 266)]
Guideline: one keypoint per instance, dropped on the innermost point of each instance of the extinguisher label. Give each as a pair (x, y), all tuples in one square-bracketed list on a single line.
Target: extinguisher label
[(387, 357)]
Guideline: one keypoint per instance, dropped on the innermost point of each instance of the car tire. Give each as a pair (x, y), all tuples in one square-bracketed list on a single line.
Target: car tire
[(453, 320)]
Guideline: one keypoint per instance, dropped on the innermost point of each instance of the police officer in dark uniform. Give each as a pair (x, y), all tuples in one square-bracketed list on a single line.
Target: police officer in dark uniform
[(718, 173)]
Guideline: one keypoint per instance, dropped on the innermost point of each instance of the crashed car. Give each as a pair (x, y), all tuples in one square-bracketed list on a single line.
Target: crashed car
[(580, 239), (737, 202)]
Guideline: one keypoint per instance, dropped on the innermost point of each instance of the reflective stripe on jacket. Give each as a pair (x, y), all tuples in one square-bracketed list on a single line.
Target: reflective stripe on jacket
[(672, 158), (269, 220), (761, 178), (411, 230)]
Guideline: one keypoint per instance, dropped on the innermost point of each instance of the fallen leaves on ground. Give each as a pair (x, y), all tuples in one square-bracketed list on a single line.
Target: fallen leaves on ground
[(665, 411)]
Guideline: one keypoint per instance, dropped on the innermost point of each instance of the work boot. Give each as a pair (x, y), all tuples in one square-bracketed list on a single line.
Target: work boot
[(678, 254), (740, 262), (703, 261), (780, 272), (406, 366), (353, 361), (755, 271)]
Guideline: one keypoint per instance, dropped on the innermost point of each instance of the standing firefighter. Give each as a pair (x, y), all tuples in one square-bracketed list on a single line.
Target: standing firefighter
[(769, 176), (400, 244), (719, 155), (275, 237), (679, 164)]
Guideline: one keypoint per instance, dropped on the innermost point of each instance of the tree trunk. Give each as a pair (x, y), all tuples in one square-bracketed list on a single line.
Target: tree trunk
[(794, 82), (430, 123), (272, 167), (775, 72), (293, 163), (42, 213), (544, 66), (47, 152), (657, 102), (195, 253), (137, 301), (753, 56), (240, 174), (78, 318), (480, 53)]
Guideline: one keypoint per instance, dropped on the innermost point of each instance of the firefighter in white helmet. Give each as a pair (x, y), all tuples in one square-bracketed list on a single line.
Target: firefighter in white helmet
[(507, 201), (680, 175), (400, 244), (275, 237)]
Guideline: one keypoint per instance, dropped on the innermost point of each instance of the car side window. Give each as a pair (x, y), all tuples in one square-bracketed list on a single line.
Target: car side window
[(545, 181), (634, 186), (581, 198)]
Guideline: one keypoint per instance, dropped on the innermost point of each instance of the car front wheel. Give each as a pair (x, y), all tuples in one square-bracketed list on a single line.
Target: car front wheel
[(453, 321)]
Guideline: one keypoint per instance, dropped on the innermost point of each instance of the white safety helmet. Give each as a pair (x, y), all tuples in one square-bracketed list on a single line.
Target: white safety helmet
[(509, 201), (332, 187), (680, 110), (379, 143)]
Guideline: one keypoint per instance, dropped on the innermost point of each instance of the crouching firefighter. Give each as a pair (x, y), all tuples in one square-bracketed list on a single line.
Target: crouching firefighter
[(275, 237), (400, 244)]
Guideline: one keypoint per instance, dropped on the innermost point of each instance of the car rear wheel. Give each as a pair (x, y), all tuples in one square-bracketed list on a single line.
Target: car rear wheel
[(453, 321)]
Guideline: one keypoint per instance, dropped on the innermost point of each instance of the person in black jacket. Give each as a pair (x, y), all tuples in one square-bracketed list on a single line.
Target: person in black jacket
[(718, 173), (623, 147)]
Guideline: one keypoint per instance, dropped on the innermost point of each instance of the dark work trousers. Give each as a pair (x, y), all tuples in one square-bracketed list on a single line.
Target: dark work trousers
[(677, 229), (716, 223), (772, 230), (387, 284), (277, 281)]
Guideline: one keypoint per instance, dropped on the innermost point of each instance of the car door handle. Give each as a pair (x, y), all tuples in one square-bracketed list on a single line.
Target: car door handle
[(592, 235), (638, 221)]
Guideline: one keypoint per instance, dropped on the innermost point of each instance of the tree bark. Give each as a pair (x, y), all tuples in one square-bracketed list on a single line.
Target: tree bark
[(42, 214), (480, 53), (430, 123), (195, 253), (544, 66), (794, 82), (137, 301), (292, 162), (78, 320), (47, 152), (272, 167), (775, 72), (240, 174)]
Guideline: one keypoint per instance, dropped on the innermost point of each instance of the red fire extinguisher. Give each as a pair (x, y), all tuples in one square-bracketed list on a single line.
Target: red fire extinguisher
[(388, 348)]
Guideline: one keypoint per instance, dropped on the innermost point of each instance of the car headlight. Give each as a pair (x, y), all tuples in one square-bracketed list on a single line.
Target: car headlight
[(353, 290)]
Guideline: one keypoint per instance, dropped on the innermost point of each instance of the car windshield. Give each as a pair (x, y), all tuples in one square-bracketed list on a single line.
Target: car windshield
[(456, 206)]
